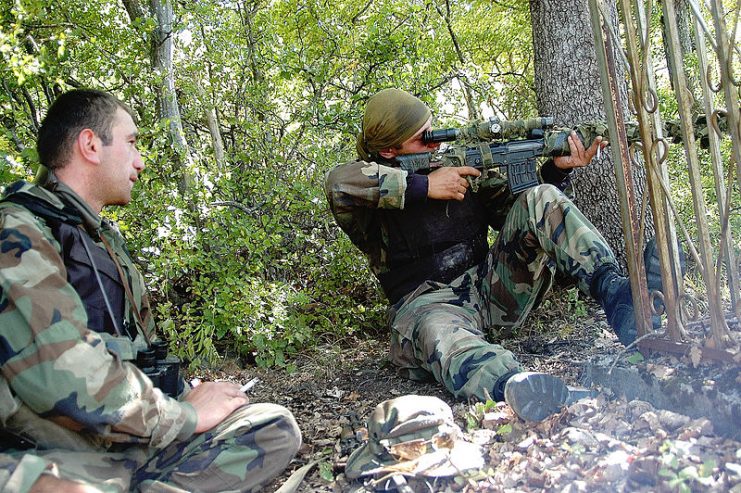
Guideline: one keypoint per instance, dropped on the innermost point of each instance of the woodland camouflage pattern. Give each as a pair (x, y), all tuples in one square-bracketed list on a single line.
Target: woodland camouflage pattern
[(93, 415), (438, 329), (253, 445), (413, 433)]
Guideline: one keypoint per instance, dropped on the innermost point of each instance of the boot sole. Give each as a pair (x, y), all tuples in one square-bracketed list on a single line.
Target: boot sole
[(535, 396)]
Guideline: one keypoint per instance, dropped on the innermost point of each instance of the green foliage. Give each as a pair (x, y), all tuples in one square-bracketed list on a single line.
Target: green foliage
[(680, 180), (684, 202), (477, 413), (562, 308), (244, 259), (635, 358), (325, 471)]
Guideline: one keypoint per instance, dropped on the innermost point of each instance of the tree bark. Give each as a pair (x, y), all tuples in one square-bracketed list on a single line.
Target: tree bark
[(169, 109), (135, 9), (213, 128), (567, 85), (161, 43)]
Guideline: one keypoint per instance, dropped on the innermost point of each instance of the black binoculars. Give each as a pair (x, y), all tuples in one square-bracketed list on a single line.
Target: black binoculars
[(162, 368)]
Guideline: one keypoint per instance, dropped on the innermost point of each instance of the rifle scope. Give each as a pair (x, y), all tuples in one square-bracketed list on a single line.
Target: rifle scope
[(491, 129)]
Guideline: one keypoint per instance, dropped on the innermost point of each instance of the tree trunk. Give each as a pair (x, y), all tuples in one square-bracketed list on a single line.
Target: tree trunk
[(161, 43), (567, 84), (169, 109), (213, 128)]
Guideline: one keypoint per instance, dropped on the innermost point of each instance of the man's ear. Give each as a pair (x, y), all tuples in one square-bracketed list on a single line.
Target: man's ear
[(89, 144), (388, 153)]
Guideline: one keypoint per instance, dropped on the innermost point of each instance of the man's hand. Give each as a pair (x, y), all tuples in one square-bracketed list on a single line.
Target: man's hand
[(214, 401), (449, 183), (579, 157)]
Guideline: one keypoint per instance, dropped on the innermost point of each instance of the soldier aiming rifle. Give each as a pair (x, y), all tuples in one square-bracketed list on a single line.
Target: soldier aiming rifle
[(424, 232)]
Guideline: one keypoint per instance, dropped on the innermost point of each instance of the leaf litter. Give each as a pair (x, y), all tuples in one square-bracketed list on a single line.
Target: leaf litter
[(600, 444)]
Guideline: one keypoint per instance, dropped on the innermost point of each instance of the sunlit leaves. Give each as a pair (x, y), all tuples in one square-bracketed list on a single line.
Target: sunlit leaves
[(251, 263)]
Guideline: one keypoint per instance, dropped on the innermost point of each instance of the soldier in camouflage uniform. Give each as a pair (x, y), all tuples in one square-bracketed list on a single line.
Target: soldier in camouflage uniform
[(425, 237), (74, 311)]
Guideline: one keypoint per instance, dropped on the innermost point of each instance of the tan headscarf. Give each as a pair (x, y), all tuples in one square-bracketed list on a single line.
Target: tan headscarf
[(391, 117)]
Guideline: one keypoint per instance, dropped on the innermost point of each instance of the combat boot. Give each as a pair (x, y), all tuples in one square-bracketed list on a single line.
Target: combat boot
[(612, 290), (535, 396)]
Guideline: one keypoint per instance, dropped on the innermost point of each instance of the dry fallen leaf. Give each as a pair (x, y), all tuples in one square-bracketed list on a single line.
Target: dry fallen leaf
[(410, 450), (645, 470), (495, 419), (443, 440), (660, 371), (335, 392), (352, 396), (696, 428), (672, 420), (559, 460)]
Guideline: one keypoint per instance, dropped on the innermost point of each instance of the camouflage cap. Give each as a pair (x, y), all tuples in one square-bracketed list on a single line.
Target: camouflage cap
[(413, 435)]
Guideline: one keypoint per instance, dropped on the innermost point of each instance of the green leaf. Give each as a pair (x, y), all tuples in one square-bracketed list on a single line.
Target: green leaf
[(325, 471), (707, 468), (505, 429), (635, 358)]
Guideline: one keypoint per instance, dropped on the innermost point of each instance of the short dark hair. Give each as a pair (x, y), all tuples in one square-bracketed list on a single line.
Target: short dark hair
[(70, 114)]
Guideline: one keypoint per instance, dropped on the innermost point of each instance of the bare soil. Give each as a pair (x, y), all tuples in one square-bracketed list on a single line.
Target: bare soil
[(598, 444)]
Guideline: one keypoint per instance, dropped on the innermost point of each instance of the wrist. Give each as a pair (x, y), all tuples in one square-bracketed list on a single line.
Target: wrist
[(417, 188)]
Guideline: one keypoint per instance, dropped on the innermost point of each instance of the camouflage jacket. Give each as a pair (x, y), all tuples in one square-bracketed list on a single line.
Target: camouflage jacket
[(52, 367), (359, 192), (17, 474)]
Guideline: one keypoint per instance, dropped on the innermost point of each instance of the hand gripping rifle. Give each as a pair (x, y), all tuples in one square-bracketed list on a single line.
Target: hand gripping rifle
[(516, 145)]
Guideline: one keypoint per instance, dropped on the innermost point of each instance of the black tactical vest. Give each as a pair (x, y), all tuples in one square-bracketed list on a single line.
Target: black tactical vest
[(436, 240), (65, 227)]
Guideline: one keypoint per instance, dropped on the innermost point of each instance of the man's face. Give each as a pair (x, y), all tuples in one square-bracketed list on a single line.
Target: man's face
[(120, 162), (413, 144)]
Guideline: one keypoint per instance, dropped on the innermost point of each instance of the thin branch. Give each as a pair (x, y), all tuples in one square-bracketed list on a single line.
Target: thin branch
[(361, 12), (238, 205), (626, 348)]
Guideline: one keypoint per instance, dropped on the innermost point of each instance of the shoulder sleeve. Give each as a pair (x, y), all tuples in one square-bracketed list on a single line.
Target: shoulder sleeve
[(363, 184), (54, 364)]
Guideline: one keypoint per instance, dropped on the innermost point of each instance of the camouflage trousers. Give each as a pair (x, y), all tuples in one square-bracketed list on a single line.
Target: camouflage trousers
[(438, 329), (248, 449)]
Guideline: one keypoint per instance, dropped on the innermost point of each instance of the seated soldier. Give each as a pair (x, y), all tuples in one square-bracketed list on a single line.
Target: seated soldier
[(74, 311), (425, 237)]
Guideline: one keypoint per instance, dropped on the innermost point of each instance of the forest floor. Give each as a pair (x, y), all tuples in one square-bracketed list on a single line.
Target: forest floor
[(598, 444)]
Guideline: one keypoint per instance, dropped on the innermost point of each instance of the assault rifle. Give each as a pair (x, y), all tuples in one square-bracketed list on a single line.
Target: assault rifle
[(517, 144)]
